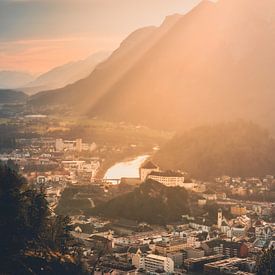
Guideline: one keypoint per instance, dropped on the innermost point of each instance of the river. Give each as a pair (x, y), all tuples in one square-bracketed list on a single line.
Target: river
[(126, 169)]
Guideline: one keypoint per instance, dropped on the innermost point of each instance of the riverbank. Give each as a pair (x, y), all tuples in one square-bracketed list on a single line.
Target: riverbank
[(126, 169), (120, 157)]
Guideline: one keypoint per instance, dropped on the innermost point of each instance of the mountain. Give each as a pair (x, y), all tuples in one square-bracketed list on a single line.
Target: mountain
[(66, 74), (13, 79), (151, 202), (235, 149), (105, 74), (12, 96), (215, 63)]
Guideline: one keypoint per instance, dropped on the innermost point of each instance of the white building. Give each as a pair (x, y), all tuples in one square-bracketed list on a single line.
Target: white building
[(78, 145), (138, 260), (210, 196), (170, 179), (155, 262), (263, 232), (59, 145), (73, 145), (238, 231), (73, 165), (146, 169), (219, 223)]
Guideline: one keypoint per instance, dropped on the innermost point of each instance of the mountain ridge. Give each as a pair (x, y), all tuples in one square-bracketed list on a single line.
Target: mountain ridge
[(237, 148), (65, 74), (214, 63)]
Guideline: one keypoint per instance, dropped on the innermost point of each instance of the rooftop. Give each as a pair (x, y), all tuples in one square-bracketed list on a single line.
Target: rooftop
[(149, 165), (166, 174)]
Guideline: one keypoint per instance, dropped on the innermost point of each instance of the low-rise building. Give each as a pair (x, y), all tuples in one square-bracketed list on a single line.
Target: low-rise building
[(229, 266), (152, 263), (164, 248), (238, 210), (170, 179), (196, 265), (227, 248), (177, 258), (147, 168), (193, 253)]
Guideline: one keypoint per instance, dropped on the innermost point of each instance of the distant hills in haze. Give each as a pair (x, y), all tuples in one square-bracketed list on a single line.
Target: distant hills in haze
[(215, 63), (65, 74), (55, 78), (235, 149), (13, 79)]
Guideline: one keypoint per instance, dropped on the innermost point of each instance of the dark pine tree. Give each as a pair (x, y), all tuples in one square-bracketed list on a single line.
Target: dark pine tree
[(32, 239), (266, 262)]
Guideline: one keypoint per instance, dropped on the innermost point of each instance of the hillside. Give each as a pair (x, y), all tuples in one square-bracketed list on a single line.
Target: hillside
[(12, 96), (235, 149), (213, 64), (102, 78), (152, 202)]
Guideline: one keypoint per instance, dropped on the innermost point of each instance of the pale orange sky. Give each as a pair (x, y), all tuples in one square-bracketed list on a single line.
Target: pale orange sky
[(40, 55), (37, 35)]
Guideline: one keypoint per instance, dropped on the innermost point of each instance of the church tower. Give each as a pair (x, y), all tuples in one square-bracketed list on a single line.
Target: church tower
[(219, 218)]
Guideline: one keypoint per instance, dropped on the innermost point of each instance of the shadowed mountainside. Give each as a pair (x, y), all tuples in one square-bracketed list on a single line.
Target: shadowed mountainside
[(234, 149), (213, 64)]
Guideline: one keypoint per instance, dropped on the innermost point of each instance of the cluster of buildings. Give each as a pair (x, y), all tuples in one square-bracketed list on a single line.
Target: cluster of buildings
[(180, 249), (149, 170), (253, 187), (73, 145), (229, 244), (52, 164)]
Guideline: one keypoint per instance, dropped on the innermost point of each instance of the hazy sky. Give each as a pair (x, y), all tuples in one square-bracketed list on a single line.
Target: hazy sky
[(36, 35)]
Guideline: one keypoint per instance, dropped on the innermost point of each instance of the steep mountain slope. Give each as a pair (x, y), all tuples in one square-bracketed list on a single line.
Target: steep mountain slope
[(214, 63), (235, 149), (152, 202), (84, 94), (13, 79), (66, 74)]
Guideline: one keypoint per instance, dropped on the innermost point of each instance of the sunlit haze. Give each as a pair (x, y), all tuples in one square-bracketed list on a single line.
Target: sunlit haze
[(36, 35), (137, 137)]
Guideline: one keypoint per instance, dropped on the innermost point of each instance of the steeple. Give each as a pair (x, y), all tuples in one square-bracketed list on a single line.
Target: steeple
[(219, 223)]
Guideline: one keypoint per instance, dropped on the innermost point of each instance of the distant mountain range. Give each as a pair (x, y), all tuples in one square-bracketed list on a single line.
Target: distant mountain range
[(12, 79), (235, 149), (65, 74), (56, 78), (215, 63)]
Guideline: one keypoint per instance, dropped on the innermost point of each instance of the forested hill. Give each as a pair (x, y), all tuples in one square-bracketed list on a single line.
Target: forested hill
[(235, 149), (152, 202), (12, 96)]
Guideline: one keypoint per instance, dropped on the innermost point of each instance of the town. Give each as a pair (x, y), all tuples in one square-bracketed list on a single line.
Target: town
[(227, 241), (137, 137)]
